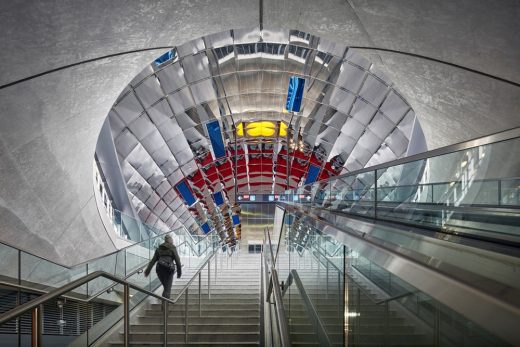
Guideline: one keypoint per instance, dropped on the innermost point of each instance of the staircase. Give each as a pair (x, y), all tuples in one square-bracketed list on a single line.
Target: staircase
[(367, 321), (230, 315)]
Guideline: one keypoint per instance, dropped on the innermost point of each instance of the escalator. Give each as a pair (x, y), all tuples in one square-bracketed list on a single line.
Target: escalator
[(423, 251), (361, 291), (471, 189)]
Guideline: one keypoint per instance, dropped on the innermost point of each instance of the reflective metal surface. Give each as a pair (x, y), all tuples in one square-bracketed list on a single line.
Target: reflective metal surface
[(351, 117)]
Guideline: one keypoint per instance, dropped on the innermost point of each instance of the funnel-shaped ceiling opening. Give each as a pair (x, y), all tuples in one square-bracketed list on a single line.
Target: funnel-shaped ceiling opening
[(249, 112)]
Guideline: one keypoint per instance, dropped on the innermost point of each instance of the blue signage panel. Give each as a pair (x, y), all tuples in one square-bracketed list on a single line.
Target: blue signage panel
[(236, 220), (219, 200), (314, 171), (185, 191), (295, 94), (205, 228), (164, 58), (215, 136)]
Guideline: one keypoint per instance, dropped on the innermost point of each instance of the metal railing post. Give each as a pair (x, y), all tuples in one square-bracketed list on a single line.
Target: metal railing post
[(200, 295), (358, 321), (216, 263), (387, 323), (186, 329), (327, 285), (375, 194), (36, 333), (19, 299), (339, 288), (436, 326), (126, 315), (209, 280), (499, 191), (165, 323)]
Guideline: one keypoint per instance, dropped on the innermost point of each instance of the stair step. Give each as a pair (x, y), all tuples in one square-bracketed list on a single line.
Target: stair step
[(211, 312), (216, 327), (182, 344), (221, 296), (231, 320), (194, 305), (198, 337)]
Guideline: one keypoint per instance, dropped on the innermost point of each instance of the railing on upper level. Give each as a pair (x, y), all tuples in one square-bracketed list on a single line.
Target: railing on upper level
[(471, 188)]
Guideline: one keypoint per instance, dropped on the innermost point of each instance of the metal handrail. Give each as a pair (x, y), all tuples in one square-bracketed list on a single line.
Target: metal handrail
[(311, 310), (274, 288), (358, 286), (400, 296), (93, 296), (194, 275), (104, 255), (34, 305), (482, 141), (108, 288)]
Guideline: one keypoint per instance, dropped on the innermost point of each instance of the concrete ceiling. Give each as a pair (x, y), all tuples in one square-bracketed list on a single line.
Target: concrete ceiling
[(49, 124)]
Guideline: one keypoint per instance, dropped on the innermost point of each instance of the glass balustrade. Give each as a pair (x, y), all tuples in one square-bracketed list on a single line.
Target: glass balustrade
[(96, 306), (475, 191), (359, 302)]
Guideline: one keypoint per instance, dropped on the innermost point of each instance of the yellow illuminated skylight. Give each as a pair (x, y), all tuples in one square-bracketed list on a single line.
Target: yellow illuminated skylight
[(240, 129), (262, 128), (283, 129)]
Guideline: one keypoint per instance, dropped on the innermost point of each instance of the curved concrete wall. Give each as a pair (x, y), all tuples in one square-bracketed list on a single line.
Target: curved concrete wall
[(49, 125)]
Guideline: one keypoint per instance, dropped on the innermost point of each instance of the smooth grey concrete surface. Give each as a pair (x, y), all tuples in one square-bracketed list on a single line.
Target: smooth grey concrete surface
[(49, 125)]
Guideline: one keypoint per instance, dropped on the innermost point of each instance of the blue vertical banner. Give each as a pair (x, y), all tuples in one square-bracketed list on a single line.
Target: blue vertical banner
[(219, 199), (295, 94), (314, 171), (185, 191), (215, 136), (205, 228)]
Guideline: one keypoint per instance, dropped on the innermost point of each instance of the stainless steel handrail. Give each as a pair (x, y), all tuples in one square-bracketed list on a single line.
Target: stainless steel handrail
[(481, 141), (194, 275), (400, 296), (274, 288), (104, 255), (359, 287), (93, 296), (138, 270), (311, 310), (34, 305)]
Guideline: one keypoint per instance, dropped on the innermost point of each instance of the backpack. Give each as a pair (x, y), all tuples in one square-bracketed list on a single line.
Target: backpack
[(167, 262)]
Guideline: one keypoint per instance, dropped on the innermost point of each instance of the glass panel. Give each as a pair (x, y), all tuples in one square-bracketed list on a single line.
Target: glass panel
[(45, 275), (354, 194), (437, 321), (9, 264), (469, 191), (381, 308), (85, 314), (321, 274)]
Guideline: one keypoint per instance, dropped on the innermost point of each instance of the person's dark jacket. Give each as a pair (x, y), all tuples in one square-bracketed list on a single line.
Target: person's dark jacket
[(166, 249)]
